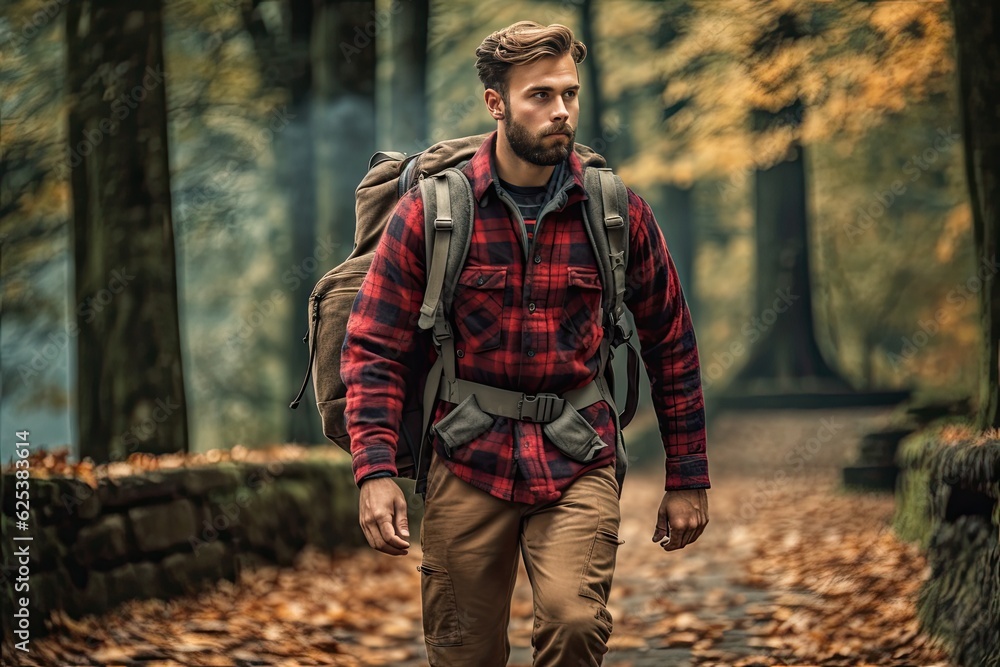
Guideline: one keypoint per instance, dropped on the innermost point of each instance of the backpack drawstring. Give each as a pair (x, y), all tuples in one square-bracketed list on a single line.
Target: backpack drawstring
[(312, 351)]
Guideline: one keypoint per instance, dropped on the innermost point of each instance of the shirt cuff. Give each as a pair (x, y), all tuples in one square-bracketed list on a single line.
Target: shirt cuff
[(687, 472), (374, 475), (373, 458)]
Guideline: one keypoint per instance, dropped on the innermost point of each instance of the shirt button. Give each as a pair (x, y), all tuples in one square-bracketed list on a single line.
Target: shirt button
[(538, 259), (481, 280), (531, 307), (531, 353), (459, 353)]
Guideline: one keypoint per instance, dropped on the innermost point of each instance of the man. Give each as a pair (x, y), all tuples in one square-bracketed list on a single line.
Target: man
[(527, 317)]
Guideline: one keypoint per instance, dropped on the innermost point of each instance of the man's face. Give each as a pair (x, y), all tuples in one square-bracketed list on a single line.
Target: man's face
[(543, 109)]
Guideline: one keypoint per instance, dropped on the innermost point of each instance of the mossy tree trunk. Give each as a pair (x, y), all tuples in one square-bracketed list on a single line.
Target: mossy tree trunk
[(977, 31)]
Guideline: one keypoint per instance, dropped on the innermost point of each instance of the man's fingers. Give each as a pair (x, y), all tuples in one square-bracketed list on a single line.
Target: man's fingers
[(377, 542), (376, 538), (700, 530), (678, 538), (684, 535), (402, 524), (680, 535), (389, 536)]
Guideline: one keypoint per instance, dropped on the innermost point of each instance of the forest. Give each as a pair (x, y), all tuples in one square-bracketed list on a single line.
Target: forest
[(176, 176)]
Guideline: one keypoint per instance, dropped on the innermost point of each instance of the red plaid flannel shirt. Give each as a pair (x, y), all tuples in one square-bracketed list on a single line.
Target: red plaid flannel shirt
[(525, 319)]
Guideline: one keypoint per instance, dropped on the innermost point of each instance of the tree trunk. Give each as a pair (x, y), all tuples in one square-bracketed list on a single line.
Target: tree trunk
[(343, 56), (977, 29), (677, 220), (295, 157), (678, 228), (130, 386), (591, 116), (407, 93), (785, 355)]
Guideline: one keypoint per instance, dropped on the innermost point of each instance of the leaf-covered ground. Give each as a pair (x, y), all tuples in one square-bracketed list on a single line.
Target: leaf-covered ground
[(791, 571)]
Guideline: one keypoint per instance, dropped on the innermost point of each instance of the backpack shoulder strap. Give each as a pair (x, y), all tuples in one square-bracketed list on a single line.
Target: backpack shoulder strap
[(608, 229), (448, 216), (608, 222)]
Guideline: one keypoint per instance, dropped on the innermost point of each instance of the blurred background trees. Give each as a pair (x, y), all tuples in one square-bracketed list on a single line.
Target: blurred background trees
[(811, 147)]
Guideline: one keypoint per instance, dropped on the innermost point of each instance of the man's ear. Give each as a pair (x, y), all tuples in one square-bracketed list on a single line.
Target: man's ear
[(494, 103)]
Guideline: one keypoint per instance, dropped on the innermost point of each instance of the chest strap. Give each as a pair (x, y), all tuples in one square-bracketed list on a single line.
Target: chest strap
[(541, 408)]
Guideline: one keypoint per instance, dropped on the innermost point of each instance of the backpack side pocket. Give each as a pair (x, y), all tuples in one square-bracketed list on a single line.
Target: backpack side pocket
[(462, 425), (573, 435)]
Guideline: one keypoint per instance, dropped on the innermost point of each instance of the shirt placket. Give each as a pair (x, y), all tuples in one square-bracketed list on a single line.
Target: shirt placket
[(529, 454)]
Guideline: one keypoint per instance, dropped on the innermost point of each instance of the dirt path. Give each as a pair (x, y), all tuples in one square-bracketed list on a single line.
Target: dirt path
[(790, 571)]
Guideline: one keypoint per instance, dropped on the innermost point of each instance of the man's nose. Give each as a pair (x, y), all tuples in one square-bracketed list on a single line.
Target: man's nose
[(560, 113)]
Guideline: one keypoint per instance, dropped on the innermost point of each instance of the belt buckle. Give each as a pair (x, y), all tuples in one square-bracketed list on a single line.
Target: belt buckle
[(540, 407)]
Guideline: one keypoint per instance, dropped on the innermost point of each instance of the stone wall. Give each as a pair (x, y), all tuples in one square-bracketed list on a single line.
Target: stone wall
[(948, 501), (169, 532)]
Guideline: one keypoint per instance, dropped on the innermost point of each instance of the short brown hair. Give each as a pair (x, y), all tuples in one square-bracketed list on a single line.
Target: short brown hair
[(519, 44)]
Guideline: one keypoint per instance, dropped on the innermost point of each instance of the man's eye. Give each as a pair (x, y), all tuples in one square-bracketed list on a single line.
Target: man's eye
[(571, 93), (540, 95)]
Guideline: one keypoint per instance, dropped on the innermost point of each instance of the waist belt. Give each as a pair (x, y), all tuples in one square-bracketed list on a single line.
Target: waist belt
[(541, 408)]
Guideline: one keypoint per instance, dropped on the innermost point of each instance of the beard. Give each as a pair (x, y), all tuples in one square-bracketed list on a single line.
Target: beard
[(539, 150)]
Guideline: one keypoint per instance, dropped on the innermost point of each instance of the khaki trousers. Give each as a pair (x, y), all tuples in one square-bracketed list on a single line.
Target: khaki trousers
[(470, 542)]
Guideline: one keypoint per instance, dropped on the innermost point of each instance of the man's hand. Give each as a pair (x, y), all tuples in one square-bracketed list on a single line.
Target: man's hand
[(682, 518), (382, 511)]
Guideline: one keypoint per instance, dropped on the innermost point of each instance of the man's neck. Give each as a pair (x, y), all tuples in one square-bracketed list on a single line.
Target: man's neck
[(516, 171)]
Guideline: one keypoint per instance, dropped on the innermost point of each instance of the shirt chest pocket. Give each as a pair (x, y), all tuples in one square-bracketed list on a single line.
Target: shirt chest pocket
[(479, 305), (581, 325)]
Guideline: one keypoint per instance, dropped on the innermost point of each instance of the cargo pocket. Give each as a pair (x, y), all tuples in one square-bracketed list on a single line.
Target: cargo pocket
[(599, 568), (573, 435), (582, 320), (479, 299), (462, 425), (440, 609)]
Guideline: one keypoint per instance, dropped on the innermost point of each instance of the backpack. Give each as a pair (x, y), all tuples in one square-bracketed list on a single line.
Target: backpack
[(448, 213)]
